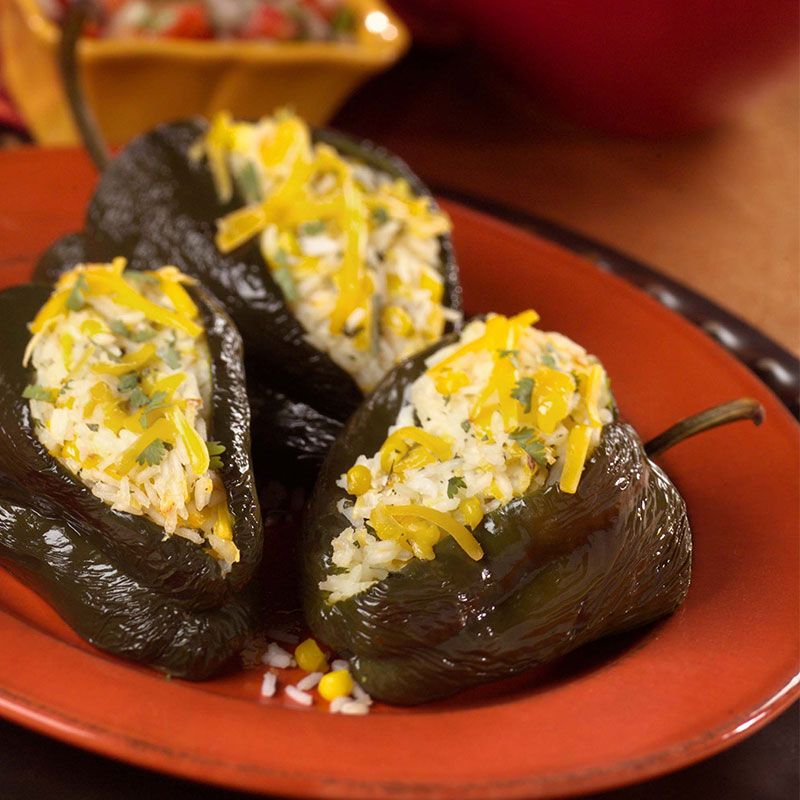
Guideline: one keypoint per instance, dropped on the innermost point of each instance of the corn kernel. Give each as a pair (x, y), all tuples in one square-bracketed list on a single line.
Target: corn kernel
[(433, 285), (91, 327), (472, 511), (359, 479), (309, 657), (394, 283), (70, 450), (450, 382), (67, 342), (396, 319), (335, 684)]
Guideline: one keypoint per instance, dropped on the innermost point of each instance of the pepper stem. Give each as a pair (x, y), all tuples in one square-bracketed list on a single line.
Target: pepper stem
[(733, 411), (77, 13)]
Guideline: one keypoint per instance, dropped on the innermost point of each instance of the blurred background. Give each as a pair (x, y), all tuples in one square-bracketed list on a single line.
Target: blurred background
[(668, 128)]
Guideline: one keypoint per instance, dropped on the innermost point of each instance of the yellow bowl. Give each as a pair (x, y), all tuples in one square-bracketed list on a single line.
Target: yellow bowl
[(134, 84)]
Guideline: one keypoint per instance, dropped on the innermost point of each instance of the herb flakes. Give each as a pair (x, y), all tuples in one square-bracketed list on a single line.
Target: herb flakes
[(454, 484), (152, 454)]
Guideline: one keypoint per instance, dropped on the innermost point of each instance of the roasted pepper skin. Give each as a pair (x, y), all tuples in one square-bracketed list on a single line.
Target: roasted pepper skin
[(559, 570), (110, 608), (155, 205), (30, 477)]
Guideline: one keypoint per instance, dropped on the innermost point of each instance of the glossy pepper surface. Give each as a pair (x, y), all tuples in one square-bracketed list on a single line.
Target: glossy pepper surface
[(558, 569), (114, 576), (154, 204)]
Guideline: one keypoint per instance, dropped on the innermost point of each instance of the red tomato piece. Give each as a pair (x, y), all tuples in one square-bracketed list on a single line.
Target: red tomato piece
[(268, 22), (325, 8), (191, 22)]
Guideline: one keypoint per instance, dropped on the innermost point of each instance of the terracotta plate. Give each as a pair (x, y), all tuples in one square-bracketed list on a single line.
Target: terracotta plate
[(613, 713)]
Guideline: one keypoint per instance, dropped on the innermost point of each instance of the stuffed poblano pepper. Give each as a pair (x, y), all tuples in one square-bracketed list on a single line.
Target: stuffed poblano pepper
[(330, 255), (484, 512), (126, 488)]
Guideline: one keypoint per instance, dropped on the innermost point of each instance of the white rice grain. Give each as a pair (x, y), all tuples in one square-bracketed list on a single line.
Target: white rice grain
[(303, 698), (310, 681), (276, 656), (269, 685)]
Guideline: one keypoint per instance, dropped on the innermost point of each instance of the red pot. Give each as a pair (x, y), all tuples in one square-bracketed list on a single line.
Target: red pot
[(639, 66)]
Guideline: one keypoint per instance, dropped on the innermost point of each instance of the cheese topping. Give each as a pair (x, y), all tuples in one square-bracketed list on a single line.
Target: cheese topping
[(503, 412), (354, 252)]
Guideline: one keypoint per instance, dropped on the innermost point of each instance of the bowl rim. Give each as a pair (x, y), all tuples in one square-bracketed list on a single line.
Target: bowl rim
[(369, 47)]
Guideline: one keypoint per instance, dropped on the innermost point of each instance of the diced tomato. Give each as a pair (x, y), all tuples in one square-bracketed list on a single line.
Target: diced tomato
[(268, 22), (325, 8), (190, 22)]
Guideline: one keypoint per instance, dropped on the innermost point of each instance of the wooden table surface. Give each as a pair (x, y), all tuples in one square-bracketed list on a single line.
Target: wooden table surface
[(717, 211)]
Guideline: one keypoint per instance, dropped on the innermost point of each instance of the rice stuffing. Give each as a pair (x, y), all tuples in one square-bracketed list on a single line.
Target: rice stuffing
[(354, 251), (506, 410), (122, 399)]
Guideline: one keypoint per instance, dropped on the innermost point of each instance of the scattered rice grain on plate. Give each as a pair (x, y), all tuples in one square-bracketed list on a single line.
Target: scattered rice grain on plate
[(310, 681), (276, 656), (269, 685), (337, 703), (303, 698), (361, 695), (353, 707)]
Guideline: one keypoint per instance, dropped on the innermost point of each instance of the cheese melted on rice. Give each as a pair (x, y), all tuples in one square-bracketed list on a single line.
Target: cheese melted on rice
[(506, 410), (353, 250), (122, 398)]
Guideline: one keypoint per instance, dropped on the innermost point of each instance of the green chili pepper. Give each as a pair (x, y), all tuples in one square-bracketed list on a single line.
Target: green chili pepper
[(101, 569), (558, 570)]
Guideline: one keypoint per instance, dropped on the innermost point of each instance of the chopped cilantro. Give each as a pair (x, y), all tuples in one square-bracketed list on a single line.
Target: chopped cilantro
[(110, 353), (549, 358), (170, 356), (128, 382), (120, 328), (280, 258), (466, 425), (454, 484), (526, 439), (152, 454), (511, 355), (153, 404), (283, 277), (215, 450), (311, 228), (142, 335), (522, 392), (138, 398), (380, 215), (36, 392), (65, 388), (247, 181), (75, 300)]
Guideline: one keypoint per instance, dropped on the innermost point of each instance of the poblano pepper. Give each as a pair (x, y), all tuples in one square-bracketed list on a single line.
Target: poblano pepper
[(554, 569), (114, 576)]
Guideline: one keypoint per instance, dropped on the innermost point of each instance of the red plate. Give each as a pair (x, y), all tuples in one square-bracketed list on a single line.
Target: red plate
[(718, 669)]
